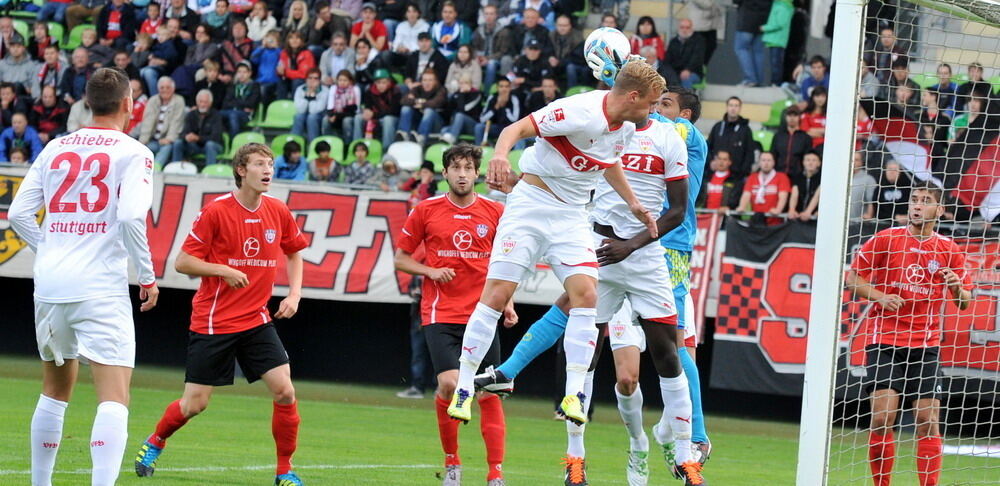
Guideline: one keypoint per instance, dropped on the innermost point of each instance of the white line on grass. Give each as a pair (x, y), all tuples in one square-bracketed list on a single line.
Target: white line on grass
[(13, 472)]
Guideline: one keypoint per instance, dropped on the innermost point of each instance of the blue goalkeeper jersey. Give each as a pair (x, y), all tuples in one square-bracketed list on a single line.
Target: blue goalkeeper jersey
[(682, 237)]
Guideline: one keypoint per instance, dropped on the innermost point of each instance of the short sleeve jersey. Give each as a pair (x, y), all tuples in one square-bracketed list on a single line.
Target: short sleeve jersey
[(654, 155), (575, 143), (457, 238), (251, 241), (896, 262), (764, 190)]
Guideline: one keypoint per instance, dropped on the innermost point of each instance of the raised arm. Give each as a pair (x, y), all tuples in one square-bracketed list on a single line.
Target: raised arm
[(499, 167)]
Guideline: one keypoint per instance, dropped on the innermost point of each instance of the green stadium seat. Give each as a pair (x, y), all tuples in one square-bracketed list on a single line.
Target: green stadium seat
[(24, 14), (280, 115), (76, 36), (960, 79), (584, 10), (764, 138), (435, 154), (482, 188), (398, 78), (218, 170), (21, 27), (336, 147), (442, 186), (924, 80), (777, 109), (575, 90), (487, 155), (374, 151), (57, 32), (279, 141), (515, 159), (704, 80), (242, 139), (995, 81)]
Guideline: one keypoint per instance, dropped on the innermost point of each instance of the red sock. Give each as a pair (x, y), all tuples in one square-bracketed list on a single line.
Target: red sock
[(494, 429), (285, 429), (929, 460), (171, 421), (881, 455), (448, 431)]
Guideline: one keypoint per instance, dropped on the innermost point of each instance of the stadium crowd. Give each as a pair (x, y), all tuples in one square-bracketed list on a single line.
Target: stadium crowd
[(335, 73)]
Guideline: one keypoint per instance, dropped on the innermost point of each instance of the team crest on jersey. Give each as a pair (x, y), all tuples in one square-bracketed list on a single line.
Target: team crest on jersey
[(482, 229), (269, 235), (646, 144), (933, 266), (507, 245), (618, 329), (556, 115), (619, 148)]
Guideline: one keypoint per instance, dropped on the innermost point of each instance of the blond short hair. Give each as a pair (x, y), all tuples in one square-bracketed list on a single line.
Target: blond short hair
[(639, 76)]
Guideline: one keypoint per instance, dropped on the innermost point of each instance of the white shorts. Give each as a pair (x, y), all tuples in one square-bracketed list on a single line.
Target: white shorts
[(100, 330), (535, 226), (642, 279), (624, 329)]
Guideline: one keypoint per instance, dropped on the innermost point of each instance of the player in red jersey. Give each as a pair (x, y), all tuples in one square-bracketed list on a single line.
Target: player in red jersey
[(234, 247), (457, 231), (909, 272)]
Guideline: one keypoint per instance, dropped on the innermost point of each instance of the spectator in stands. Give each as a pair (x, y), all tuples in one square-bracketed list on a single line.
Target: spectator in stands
[(50, 72), (976, 86), (381, 103), (892, 197), (152, 21), (366, 61), (464, 66), (387, 177), (733, 135), (501, 109), (405, 40), (79, 116), (234, 50), (813, 119), (707, 17), (18, 68), (420, 185), (20, 135), (804, 200), (18, 156), (100, 54), (6, 33), (863, 131), (10, 103), (81, 11), (212, 83), (776, 32), (465, 105), (869, 85), (141, 52), (360, 170), (342, 106), (425, 58), (982, 127), (530, 68), (346, 8), (291, 165), (266, 60), (530, 28), (260, 22), (310, 106), (790, 144), (322, 28), (336, 59), (295, 62), (567, 52), (609, 20), (163, 58), (218, 20), (123, 61), (906, 103), (818, 76), (935, 120), (421, 108), (324, 168), (766, 191), (900, 76), (863, 186), (242, 97), (449, 32), (201, 7), (493, 46), (39, 41), (139, 100), (204, 49), (369, 28), (619, 9), (947, 90), (686, 55), (661, 67), (202, 131), (188, 19), (545, 94), (53, 10), (49, 115), (883, 54), (545, 9), (646, 35), (163, 121), (116, 24), (721, 191), (749, 41), (392, 12), (74, 79)]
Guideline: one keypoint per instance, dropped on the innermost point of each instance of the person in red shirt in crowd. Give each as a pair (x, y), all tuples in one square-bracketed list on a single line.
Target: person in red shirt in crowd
[(421, 185), (234, 246), (370, 28), (646, 35), (720, 192), (456, 231), (153, 19), (116, 24), (295, 62), (49, 115), (909, 273), (813, 120), (139, 100), (766, 191)]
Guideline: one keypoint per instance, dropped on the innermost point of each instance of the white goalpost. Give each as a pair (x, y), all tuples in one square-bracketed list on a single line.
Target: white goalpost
[(915, 97)]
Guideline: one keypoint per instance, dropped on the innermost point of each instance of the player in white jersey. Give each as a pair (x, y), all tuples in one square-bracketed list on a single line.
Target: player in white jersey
[(579, 138), (96, 186)]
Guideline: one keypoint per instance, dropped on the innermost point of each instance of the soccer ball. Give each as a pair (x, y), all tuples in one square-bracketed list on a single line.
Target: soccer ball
[(606, 50)]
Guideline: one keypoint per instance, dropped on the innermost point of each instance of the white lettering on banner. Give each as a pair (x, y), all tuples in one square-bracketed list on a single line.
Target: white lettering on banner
[(351, 238)]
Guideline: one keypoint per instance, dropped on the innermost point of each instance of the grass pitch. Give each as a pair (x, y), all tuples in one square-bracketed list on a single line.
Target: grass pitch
[(360, 435)]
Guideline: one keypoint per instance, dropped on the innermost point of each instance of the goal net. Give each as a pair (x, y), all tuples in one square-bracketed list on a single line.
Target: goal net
[(926, 111)]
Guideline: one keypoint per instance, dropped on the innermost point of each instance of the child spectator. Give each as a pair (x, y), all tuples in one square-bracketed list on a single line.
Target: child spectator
[(19, 134), (421, 186), (294, 63), (141, 51), (342, 105), (260, 22), (290, 165), (323, 168), (163, 58), (361, 170), (100, 54), (388, 177), (153, 19), (212, 83), (18, 156), (310, 106), (804, 199), (266, 59)]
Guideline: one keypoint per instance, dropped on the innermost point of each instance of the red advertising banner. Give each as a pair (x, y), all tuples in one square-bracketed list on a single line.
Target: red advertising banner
[(701, 264)]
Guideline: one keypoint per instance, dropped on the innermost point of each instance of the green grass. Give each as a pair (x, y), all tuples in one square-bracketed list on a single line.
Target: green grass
[(358, 435)]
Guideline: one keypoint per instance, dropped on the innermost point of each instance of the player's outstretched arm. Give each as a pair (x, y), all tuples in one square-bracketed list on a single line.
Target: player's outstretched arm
[(196, 267), (290, 304), (28, 200), (613, 251), (404, 262), (499, 168), (615, 176)]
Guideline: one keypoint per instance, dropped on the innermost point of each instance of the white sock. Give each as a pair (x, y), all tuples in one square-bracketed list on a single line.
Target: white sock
[(579, 343), (677, 414), (476, 343), (107, 442), (630, 408), (575, 433), (46, 433)]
